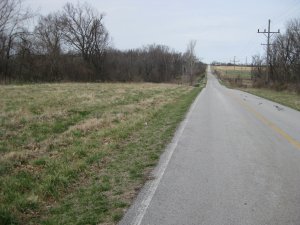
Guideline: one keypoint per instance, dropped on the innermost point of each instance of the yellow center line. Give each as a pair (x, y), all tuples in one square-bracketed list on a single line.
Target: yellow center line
[(269, 123)]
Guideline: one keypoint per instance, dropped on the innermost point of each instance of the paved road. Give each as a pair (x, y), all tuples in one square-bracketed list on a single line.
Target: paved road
[(235, 160)]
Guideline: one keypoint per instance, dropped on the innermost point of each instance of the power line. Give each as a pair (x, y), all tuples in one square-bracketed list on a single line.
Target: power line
[(234, 62), (275, 21), (287, 13), (268, 34)]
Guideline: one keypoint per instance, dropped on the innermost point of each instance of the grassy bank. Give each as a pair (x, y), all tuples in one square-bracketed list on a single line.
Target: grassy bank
[(288, 98), (78, 153)]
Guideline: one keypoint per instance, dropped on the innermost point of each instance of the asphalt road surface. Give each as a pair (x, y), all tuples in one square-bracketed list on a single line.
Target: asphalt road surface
[(234, 160)]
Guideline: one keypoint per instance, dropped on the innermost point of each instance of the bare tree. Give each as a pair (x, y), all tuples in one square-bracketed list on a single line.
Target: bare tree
[(12, 18), (258, 68), (73, 45), (284, 59), (293, 32), (49, 35), (7, 8), (285, 55), (85, 32), (191, 59)]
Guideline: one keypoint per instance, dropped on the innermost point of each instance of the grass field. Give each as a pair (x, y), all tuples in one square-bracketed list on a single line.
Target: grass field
[(234, 72), (78, 153), (238, 76)]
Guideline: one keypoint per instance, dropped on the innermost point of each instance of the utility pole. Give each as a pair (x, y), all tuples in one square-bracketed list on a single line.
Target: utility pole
[(268, 34), (234, 61)]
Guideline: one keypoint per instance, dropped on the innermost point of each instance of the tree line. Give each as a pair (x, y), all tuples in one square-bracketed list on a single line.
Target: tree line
[(74, 45), (284, 61)]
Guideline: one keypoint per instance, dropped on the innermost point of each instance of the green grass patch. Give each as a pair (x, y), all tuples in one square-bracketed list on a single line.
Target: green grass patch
[(78, 153), (237, 73)]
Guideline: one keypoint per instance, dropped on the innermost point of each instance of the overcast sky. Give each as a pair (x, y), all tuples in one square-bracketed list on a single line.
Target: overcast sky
[(223, 29)]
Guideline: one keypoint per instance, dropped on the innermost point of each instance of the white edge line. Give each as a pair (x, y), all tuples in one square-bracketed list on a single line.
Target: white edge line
[(153, 186)]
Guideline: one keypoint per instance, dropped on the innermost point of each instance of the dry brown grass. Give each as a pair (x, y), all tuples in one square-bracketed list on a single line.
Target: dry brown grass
[(239, 76), (239, 68)]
